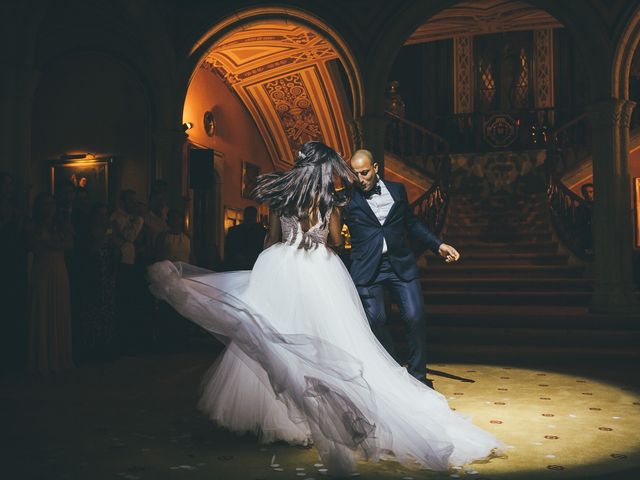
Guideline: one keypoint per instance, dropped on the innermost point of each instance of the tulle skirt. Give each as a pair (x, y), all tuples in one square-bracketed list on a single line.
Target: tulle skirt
[(302, 365)]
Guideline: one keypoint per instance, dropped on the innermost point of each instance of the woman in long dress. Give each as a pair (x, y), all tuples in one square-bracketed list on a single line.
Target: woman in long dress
[(301, 363), (50, 302)]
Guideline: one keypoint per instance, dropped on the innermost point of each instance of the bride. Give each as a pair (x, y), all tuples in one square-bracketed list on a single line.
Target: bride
[(301, 363)]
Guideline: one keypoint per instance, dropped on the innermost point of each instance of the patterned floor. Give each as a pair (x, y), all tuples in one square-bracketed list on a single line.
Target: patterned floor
[(136, 419)]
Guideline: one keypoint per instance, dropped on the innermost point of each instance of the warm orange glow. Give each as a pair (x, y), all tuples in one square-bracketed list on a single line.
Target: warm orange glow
[(285, 75)]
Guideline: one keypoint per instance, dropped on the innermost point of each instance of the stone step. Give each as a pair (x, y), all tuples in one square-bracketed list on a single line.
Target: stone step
[(506, 206), (502, 271), (520, 316), (471, 246), (491, 230), (493, 258), (623, 338), (495, 224), (462, 297), (498, 237), (433, 285)]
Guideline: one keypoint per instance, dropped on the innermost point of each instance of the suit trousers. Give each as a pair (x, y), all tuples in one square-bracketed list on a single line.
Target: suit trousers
[(409, 298)]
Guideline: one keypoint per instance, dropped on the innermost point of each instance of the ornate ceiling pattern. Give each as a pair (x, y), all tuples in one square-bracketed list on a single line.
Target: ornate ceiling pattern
[(480, 17), (286, 76)]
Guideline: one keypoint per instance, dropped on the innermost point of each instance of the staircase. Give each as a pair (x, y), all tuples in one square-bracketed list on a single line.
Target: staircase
[(515, 295)]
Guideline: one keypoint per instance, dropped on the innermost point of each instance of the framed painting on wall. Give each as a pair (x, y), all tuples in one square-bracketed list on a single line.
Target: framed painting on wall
[(91, 174), (232, 217), (250, 173)]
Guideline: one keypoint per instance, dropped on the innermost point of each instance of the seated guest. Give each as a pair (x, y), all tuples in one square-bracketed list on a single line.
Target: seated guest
[(244, 242), (174, 244)]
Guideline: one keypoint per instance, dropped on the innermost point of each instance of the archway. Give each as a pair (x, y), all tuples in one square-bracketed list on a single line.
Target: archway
[(624, 51), (294, 74), (270, 79)]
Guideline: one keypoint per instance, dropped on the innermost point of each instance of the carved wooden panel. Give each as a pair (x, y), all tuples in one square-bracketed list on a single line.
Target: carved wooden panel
[(543, 72), (463, 74)]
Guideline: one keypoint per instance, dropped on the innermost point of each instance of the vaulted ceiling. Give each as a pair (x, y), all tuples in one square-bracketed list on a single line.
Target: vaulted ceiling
[(287, 76), (479, 17)]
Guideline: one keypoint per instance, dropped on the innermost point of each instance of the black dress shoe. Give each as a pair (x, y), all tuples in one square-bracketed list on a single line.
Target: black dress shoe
[(427, 382)]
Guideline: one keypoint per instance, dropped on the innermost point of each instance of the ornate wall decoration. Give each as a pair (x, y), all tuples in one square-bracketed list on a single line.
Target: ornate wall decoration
[(290, 99), (500, 130), (480, 17), (463, 74), (486, 173), (543, 72), (283, 74)]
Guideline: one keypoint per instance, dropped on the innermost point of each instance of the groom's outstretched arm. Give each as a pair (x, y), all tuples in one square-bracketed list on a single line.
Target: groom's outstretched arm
[(418, 230)]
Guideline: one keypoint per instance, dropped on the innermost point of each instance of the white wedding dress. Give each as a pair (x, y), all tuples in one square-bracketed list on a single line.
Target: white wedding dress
[(302, 364)]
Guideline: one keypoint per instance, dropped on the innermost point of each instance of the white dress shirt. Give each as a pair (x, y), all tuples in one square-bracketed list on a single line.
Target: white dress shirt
[(381, 204)]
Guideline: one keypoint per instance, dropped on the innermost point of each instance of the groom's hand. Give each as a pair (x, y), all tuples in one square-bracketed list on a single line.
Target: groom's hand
[(449, 253)]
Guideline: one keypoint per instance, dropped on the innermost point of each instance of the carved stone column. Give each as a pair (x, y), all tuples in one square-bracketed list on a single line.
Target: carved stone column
[(17, 89), (614, 290), (169, 159), (543, 88)]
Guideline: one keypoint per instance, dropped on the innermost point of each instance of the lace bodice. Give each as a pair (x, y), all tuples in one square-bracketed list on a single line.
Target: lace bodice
[(293, 234)]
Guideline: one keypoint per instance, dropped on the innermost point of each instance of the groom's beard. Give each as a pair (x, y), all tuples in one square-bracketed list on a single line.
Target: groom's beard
[(363, 188)]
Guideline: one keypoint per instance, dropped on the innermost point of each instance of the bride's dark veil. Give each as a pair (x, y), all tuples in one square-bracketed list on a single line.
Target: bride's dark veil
[(311, 183)]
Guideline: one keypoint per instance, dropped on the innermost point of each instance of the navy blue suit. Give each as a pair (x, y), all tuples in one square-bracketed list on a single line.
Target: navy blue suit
[(373, 272)]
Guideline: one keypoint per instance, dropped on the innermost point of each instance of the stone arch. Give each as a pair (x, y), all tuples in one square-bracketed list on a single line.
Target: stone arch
[(625, 47), (253, 15), (591, 38)]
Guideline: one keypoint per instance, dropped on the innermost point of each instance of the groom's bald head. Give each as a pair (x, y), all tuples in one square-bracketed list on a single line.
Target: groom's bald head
[(365, 168)]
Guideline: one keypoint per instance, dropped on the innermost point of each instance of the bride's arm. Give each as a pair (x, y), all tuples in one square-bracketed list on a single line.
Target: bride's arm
[(275, 232), (335, 229)]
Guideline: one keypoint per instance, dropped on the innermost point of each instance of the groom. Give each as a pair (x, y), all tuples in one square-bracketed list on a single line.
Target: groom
[(379, 221)]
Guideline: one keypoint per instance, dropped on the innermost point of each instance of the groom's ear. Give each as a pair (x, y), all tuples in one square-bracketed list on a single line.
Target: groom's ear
[(375, 167)]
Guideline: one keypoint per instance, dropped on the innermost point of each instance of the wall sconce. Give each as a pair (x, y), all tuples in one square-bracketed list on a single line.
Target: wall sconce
[(187, 126)]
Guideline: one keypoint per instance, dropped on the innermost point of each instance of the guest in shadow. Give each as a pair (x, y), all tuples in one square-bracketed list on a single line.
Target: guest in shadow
[(126, 224), (244, 242), (50, 347), (98, 258), (13, 279), (171, 332), (174, 244), (584, 218)]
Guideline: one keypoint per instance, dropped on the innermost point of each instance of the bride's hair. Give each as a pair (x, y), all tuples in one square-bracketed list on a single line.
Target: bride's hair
[(309, 185)]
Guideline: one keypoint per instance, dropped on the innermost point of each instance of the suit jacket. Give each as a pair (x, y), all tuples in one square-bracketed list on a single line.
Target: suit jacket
[(367, 234), (243, 245)]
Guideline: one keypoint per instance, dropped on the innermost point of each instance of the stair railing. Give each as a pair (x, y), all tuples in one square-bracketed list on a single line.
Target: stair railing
[(427, 152), (431, 206), (571, 214), (415, 145)]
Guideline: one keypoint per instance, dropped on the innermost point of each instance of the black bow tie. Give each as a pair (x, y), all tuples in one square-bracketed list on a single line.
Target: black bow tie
[(374, 191)]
